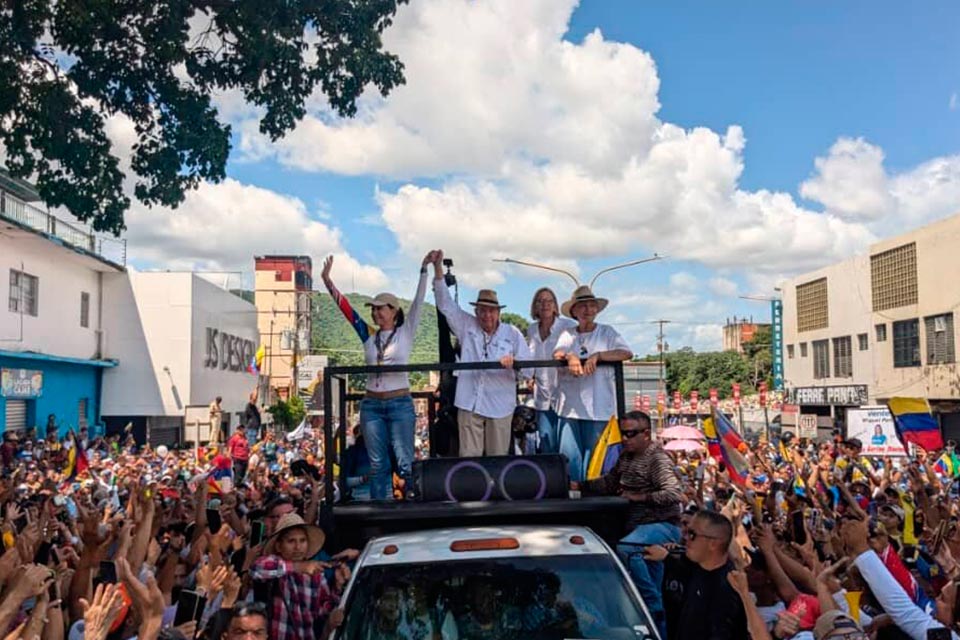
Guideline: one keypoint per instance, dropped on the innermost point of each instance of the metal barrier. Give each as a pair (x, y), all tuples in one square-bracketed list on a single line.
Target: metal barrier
[(332, 453)]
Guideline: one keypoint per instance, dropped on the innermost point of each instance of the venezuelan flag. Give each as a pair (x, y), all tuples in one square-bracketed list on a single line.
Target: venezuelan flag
[(915, 423), (948, 465), (607, 451), (723, 438), (76, 461)]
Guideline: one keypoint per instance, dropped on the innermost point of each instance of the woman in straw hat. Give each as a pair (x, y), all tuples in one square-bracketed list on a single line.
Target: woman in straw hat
[(301, 598), (542, 337), (387, 417), (586, 393)]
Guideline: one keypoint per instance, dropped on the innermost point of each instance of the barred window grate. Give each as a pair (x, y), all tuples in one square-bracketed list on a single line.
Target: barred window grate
[(940, 340), (881, 332), (821, 359), (812, 305), (843, 357), (864, 341), (906, 343), (893, 277)]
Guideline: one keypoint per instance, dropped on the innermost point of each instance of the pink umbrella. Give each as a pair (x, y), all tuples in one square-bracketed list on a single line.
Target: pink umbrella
[(683, 445), (681, 432)]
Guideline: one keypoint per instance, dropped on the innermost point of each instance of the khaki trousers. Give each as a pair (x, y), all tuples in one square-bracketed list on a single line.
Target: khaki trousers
[(483, 436)]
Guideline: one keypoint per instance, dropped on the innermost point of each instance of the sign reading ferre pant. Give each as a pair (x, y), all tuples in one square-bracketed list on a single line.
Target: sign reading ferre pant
[(851, 394), (225, 351)]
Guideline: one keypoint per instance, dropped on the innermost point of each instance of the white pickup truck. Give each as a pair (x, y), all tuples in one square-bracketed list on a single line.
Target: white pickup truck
[(492, 583)]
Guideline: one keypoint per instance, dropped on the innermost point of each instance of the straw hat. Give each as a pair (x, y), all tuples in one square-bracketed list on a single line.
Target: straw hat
[(315, 535), (487, 298), (384, 300), (582, 294)]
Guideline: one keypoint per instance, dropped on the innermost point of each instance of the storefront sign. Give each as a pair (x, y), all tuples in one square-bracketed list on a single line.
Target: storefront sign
[(225, 351), (807, 425), (21, 383), (873, 427), (852, 394)]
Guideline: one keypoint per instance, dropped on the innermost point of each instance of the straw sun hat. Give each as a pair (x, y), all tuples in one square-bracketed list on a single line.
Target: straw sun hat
[(582, 294), (315, 535)]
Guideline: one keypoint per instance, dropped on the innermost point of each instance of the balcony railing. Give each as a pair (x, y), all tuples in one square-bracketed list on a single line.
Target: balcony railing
[(23, 213)]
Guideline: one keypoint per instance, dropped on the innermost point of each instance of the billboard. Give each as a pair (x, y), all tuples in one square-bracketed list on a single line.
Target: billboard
[(873, 426)]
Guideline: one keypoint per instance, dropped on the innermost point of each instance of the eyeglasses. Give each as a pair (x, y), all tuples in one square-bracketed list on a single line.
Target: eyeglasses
[(626, 434), (693, 534)]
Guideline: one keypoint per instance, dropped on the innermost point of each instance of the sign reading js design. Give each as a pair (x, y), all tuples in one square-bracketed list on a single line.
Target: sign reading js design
[(225, 351)]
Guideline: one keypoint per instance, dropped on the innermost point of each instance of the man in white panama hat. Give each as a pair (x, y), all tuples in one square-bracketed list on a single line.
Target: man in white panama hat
[(485, 399)]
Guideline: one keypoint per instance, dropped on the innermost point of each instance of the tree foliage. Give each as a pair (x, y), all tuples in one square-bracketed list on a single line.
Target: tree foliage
[(68, 65), (288, 413), (688, 370), (759, 354), (516, 320)]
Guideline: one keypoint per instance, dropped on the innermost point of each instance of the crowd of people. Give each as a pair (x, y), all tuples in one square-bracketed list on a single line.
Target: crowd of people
[(104, 537)]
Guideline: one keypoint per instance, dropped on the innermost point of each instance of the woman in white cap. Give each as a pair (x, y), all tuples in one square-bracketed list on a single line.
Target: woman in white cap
[(542, 337), (387, 417), (586, 394)]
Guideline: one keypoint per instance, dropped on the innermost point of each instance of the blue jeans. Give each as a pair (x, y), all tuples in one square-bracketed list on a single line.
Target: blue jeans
[(578, 439), (387, 425), (647, 575), (547, 427)]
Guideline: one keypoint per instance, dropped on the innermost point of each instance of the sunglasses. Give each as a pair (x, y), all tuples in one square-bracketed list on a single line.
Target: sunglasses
[(693, 535), (629, 433)]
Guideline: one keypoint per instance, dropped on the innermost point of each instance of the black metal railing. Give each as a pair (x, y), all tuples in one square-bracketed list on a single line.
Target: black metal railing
[(332, 452)]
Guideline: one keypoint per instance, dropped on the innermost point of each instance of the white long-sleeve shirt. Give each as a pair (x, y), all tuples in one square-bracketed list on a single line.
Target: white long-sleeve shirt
[(545, 389), (489, 393), (910, 618), (394, 346)]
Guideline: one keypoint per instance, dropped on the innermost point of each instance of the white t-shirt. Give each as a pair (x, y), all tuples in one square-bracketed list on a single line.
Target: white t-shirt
[(590, 397), (546, 379)]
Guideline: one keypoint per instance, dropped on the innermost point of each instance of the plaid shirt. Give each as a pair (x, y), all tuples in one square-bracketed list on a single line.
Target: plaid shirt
[(298, 601)]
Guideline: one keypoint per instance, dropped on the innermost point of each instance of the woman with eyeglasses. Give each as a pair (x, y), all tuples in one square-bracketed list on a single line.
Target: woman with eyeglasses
[(387, 417), (542, 337)]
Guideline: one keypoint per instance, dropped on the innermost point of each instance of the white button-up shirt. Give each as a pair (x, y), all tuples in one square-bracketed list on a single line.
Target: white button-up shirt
[(544, 393), (590, 397), (488, 393)]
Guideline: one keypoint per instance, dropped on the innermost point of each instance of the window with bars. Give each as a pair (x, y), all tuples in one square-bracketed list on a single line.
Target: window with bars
[(864, 341), (82, 413), (893, 277), (881, 330), (84, 309), (790, 351), (821, 359), (812, 305), (843, 357), (906, 343), (24, 293), (940, 341), (803, 349)]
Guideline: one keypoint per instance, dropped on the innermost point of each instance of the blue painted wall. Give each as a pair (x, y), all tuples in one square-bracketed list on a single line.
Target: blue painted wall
[(64, 384)]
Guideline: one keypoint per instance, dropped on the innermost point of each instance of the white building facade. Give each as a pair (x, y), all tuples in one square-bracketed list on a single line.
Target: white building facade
[(878, 326), (181, 341), (52, 277)]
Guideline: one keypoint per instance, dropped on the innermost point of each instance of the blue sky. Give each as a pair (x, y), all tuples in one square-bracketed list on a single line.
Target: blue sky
[(748, 141)]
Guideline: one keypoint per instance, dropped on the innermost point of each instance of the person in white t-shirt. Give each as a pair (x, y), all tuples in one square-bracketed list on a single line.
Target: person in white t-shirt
[(586, 398), (542, 337)]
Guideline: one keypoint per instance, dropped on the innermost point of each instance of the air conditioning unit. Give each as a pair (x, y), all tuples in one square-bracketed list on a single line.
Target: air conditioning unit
[(940, 324)]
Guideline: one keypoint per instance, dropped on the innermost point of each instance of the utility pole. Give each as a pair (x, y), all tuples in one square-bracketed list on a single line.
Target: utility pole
[(661, 347)]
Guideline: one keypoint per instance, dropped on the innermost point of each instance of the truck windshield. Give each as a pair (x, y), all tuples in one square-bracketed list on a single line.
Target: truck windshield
[(540, 598)]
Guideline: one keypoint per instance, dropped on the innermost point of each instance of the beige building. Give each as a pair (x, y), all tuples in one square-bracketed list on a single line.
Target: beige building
[(282, 294), (877, 326)]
